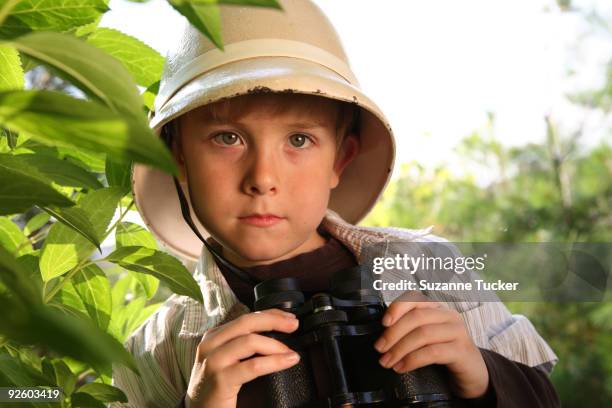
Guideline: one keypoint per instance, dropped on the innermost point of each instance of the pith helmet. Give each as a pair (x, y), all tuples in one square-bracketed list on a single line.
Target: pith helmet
[(291, 50)]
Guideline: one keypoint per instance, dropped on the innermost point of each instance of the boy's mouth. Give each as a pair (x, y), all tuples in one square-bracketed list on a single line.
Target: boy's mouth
[(261, 220)]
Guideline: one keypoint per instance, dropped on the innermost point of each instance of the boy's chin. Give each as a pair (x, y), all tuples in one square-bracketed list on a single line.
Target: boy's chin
[(259, 255)]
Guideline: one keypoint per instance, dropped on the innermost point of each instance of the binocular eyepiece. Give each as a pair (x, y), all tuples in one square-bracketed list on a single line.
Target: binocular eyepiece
[(338, 364)]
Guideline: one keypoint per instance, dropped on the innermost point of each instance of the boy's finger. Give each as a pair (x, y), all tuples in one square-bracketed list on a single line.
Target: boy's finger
[(245, 324), (410, 321), (440, 353), (272, 311), (418, 338), (243, 347), (248, 370), (276, 311), (405, 303)]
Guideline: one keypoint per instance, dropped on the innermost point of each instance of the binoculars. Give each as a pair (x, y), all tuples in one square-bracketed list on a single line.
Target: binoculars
[(338, 364)]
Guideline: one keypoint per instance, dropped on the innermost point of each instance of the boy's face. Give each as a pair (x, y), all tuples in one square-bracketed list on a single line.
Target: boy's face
[(281, 165)]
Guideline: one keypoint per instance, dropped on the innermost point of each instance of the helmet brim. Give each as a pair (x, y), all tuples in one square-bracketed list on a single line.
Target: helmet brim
[(360, 185)]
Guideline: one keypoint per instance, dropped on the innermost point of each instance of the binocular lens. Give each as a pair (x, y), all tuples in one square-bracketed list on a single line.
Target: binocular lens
[(281, 293)]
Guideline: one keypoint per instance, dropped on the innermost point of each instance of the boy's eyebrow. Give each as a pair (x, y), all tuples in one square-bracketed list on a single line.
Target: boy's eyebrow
[(306, 125), (300, 124)]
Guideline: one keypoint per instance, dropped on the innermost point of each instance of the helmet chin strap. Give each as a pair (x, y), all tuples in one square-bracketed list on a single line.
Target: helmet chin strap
[(187, 217), (218, 257)]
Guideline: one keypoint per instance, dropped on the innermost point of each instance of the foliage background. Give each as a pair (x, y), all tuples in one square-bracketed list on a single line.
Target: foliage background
[(64, 188), (556, 190), (74, 99)]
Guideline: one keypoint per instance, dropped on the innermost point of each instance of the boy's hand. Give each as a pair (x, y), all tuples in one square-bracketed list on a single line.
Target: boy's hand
[(420, 333), (218, 372)]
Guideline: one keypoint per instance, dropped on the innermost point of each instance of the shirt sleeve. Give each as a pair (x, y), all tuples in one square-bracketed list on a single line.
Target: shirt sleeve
[(513, 384), (493, 327), (161, 361)]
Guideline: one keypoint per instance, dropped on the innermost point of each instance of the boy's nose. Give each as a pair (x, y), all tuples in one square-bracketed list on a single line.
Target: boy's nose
[(261, 177)]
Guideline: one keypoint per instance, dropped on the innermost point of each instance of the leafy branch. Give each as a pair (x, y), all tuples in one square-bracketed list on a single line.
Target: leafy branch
[(85, 261)]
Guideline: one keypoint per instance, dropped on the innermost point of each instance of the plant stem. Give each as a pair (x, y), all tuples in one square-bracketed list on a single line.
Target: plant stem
[(125, 211), (83, 376), (40, 233), (32, 240), (85, 261)]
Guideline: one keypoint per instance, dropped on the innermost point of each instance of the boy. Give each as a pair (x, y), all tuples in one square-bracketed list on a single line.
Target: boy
[(280, 154)]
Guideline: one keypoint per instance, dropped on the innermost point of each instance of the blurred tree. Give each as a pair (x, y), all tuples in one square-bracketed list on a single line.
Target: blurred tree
[(555, 190), (545, 192)]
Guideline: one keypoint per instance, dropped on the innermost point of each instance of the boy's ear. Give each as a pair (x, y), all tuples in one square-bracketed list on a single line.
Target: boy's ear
[(346, 153)]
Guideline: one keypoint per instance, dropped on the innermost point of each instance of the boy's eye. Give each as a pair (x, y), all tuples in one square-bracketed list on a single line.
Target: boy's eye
[(226, 138), (298, 140)]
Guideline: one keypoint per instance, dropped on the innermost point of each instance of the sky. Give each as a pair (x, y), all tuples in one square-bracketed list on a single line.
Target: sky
[(436, 67)]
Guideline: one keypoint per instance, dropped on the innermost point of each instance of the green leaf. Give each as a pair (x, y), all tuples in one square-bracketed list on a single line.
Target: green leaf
[(127, 200), (202, 15), (92, 70), (118, 173), (69, 301), (11, 71), (149, 283), (77, 367), (16, 278), (78, 220), (64, 376), (159, 264), (149, 95), (64, 248), (47, 370), (50, 15), (11, 138), (81, 399), (11, 238), (103, 392), (85, 30), (143, 62), (30, 356), (94, 290), (28, 63), (29, 262), (31, 322), (61, 120), (70, 336), (21, 374), (130, 234), (122, 321), (22, 186), (144, 314), (105, 374), (130, 316), (120, 288), (27, 145), (87, 159), (60, 171), (36, 222), (48, 169)]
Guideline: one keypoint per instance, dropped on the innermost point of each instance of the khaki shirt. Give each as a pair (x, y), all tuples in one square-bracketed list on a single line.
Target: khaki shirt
[(164, 346)]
